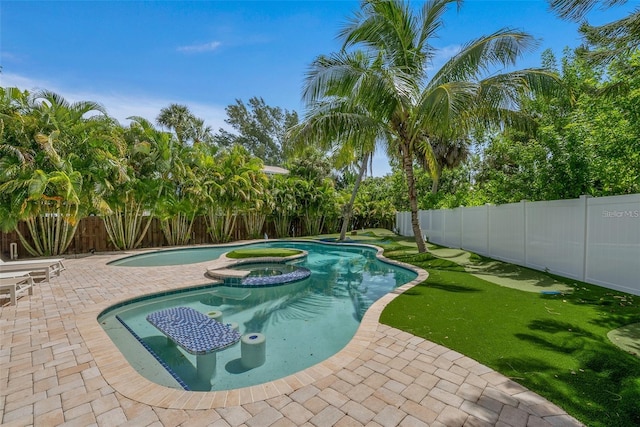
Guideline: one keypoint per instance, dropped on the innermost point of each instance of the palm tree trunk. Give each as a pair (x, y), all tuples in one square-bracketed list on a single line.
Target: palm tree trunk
[(413, 198), (349, 207)]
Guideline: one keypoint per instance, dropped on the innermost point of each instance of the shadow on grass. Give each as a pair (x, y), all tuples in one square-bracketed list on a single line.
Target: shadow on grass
[(453, 288), (591, 379), (598, 390), (428, 261), (563, 347), (447, 281), (555, 327), (615, 309)]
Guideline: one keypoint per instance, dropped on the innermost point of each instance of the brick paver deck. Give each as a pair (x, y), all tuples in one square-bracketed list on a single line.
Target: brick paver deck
[(58, 367)]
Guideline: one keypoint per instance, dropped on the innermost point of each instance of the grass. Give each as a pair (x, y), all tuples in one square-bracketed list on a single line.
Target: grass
[(264, 252), (555, 345), (494, 312)]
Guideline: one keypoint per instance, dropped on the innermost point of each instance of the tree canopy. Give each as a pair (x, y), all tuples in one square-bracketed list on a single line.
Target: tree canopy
[(459, 135), (260, 129)]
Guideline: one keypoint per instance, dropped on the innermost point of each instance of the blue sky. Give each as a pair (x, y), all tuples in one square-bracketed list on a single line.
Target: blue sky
[(138, 57)]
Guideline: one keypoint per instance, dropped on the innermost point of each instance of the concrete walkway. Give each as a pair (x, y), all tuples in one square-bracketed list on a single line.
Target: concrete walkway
[(58, 367)]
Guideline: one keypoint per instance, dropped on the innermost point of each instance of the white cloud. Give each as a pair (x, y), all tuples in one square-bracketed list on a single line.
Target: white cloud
[(15, 80), (443, 54), (198, 48), (120, 105), (8, 56)]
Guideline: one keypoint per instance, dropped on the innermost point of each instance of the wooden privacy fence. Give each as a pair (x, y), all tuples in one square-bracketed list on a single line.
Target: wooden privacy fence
[(91, 236), (594, 240)]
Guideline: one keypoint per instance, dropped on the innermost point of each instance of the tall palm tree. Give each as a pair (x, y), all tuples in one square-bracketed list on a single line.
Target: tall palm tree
[(393, 94), (338, 124), (348, 208), (177, 118)]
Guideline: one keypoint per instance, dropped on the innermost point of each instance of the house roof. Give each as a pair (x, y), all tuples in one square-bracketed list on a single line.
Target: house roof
[(275, 170)]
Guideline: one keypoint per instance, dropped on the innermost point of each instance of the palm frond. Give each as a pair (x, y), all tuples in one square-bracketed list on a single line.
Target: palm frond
[(12, 151), (612, 40), (440, 107), (430, 18), (576, 10), (506, 90), (294, 307), (51, 98), (333, 121), (479, 57)]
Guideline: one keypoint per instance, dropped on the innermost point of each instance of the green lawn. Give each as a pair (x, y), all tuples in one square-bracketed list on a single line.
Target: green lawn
[(555, 345)]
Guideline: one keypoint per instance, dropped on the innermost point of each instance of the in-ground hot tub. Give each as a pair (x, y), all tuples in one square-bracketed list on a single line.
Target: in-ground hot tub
[(268, 274)]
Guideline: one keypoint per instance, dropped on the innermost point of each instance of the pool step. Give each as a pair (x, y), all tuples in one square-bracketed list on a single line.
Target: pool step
[(237, 294)]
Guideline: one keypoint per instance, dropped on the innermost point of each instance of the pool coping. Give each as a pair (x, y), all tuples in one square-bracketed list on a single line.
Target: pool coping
[(124, 379), (222, 269)]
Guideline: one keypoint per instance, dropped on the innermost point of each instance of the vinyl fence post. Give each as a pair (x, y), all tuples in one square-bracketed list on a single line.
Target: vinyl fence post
[(444, 228), (585, 241), (524, 232), (461, 228), (488, 246)]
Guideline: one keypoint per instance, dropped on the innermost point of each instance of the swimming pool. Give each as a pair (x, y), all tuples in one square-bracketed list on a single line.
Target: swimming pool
[(303, 323)]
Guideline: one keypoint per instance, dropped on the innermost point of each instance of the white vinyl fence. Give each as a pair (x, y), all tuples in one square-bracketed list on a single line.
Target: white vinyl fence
[(594, 240)]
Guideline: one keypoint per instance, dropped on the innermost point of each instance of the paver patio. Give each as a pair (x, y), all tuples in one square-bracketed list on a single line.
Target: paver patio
[(58, 367)]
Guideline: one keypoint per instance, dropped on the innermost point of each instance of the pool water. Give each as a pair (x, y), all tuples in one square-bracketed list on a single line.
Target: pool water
[(304, 322), (261, 270), (175, 256)]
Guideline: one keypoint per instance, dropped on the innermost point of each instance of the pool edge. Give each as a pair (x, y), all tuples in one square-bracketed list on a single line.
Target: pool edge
[(117, 372)]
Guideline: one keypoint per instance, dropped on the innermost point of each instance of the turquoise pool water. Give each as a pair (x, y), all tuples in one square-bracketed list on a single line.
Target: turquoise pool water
[(174, 256), (304, 322)]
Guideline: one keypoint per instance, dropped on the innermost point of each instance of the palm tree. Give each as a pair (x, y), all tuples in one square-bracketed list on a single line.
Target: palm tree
[(317, 200), (285, 203), (348, 208), (233, 183), (49, 202), (178, 118), (620, 37), (62, 160), (337, 124), (132, 202), (199, 133), (391, 92), (16, 145), (449, 153), (167, 166)]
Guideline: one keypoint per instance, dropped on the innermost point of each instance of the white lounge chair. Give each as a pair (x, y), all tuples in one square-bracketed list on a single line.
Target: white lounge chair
[(43, 266), (16, 284)]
